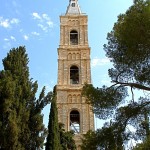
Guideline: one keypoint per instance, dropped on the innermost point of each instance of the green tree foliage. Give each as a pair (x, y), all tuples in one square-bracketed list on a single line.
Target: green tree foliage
[(107, 138), (38, 132), (143, 146), (58, 138), (66, 138), (104, 100), (53, 138), (129, 46), (21, 120), (89, 141), (128, 49)]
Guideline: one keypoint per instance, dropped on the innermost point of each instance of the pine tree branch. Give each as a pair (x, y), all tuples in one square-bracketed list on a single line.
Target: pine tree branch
[(133, 85)]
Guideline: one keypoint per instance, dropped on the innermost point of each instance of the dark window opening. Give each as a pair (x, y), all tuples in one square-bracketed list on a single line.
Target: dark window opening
[(73, 37), (75, 121), (74, 75), (73, 4)]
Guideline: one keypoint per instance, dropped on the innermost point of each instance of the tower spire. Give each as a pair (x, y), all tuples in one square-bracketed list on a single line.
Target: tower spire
[(73, 7)]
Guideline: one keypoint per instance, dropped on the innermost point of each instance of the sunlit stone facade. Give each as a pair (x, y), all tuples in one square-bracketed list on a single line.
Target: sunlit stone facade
[(73, 72)]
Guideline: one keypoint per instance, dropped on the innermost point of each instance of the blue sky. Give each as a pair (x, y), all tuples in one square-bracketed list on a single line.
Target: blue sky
[(35, 24)]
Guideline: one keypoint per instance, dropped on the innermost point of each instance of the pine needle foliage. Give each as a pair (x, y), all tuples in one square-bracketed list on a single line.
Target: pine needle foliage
[(128, 48)]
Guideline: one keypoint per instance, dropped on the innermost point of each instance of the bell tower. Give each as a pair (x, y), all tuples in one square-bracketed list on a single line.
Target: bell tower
[(73, 71)]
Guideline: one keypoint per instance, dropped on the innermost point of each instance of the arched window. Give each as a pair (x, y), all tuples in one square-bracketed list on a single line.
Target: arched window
[(79, 99), (69, 56), (69, 99), (73, 56), (77, 56), (74, 75), (73, 98), (73, 4), (75, 121), (74, 37)]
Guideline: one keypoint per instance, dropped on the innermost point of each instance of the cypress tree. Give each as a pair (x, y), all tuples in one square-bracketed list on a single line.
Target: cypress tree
[(53, 138), (14, 91), (21, 121)]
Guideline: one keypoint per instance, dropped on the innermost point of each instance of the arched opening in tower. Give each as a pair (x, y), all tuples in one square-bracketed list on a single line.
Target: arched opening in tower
[(74, 75), (74, 37), (75, 121)]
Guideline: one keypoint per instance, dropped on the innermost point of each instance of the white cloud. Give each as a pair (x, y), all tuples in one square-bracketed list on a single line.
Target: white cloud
[(36, 15), (45, 16), (7, 45), (26, 37), (5, 39), (35, 33), (44, 21), (50, 23), (21, 30), (13, 38), (8, 42), (14, 21), (6, 23), (99, 62), (44, 28), (48, 20), (10, 38)]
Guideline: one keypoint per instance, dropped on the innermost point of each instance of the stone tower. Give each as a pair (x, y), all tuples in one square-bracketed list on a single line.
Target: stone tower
[(73, 71)]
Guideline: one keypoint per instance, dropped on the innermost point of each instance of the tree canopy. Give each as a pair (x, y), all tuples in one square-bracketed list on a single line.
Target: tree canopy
[(21, 118), (128, 48)]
